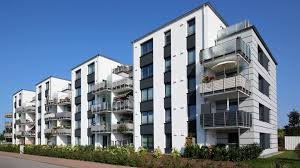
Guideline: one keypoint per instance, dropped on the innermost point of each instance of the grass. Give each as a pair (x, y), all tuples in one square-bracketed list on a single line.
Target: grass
[(287, 159)]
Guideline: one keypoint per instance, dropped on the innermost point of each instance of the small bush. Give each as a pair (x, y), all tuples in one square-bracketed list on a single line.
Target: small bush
[(10, 148)]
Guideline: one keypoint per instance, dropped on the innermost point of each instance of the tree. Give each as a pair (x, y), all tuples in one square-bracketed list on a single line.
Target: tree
[(293, 127)]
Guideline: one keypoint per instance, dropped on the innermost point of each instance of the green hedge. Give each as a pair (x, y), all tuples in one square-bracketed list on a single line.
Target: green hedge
[(246, 152), (10, 148)]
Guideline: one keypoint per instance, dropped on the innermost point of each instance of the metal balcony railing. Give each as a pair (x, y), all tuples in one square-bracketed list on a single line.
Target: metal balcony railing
[(8, 115), (225, 84), (229, 47), (122, 85), (123, 105), (8, 124), (122, 68), (101, 87), (101, 128), (102, 107), (226, 120)]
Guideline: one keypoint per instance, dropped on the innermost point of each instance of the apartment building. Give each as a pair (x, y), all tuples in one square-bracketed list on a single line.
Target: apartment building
[(199, 80), (102, 103), (23, 121), (53, 111), (8, 128)]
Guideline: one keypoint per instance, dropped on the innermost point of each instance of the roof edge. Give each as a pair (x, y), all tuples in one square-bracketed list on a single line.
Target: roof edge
[(52, 77), (22, 90)]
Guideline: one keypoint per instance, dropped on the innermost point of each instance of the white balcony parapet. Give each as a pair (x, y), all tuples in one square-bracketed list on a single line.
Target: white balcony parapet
[(102, 107), (123, 105), (122, 85), (101, 87), (226, 84)]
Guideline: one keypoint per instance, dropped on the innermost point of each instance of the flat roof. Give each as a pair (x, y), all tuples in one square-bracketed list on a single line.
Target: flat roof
[(182, 16), (52, 77), (98, 55), (22, 90)]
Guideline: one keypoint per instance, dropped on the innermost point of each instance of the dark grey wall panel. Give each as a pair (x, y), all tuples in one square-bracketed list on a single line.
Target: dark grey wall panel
[(46, 93), (167, 77), (89, 132), (146, 129), (90, 96), (39, 96), (168, 128), (39, 121), (90, 114), (77, 132), (146, 106), (191, 98), (192, 126), (77, 100), (39, 109), (78, 83), (190, 41), (39, 134), (146, 59), (146, 83), (91, 78), (167, 51), (77, 116), (167, 102), (191, 70)]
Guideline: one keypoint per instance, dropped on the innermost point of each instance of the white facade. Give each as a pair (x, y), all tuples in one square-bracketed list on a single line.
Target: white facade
[(53, 111), (23, 117), (93, 116), (245, 98)]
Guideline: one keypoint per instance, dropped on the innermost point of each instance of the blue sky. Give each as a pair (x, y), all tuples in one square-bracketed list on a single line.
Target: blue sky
[(42, 38)]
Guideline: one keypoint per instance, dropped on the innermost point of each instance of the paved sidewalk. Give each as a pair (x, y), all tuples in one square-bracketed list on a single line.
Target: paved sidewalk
[(59, 161)]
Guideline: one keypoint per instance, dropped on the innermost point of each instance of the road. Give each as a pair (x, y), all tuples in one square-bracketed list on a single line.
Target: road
[(12, 162)]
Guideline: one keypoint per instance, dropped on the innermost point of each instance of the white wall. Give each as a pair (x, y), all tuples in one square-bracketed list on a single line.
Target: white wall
[(291, 142)]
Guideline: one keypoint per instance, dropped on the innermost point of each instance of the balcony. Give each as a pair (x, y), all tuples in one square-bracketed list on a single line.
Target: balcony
[(102, 87), (101, 108), (8, 124), (122, 85), (232, 29), (122, 69), (64, 101), (58, 116), (226, 85), (8, 115), (8, 135), (60, 101), (25, 122), (29, 133), (26, 109), (123, 128), (239, 119), (49, 116), (225, 52), (58, 131), (103, 128), (121, 106)]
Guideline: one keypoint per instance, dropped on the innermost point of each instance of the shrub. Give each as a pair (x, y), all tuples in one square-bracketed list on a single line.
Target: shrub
[(157, 153), (10, 148), (175, 153)]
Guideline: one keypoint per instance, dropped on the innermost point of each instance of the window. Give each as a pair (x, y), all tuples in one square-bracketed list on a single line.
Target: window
[(147, 141), (169, 141), (147, 71), (77, 140), (78, 124), (147, 47), (191, 56), (264, 113), (168, 115), (191, 84), (167, 64), (47, 86), (90, 104), (168, 37), (191, 112), (263, 85), (78, 92), (147, 94), (263, 59), (78, 108), (168, 90), (191, 27), (91, 68), (264, 140), (90, 87), (78, 74), (40, 89), (147, 117)]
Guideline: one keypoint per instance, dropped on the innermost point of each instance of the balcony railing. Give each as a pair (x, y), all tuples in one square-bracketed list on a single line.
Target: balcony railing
[(226, 120), (26, 109), (8, 115), (29, 133), (122, 68), (8, 124), (123, 105), (8, 134), (229, 47), (49, 116), (104, 128), (101, 87), (64, 101), (102, 107), (233, 29), (58, 131), (122, 85), (227, 84), (58, 116), (123, 128)]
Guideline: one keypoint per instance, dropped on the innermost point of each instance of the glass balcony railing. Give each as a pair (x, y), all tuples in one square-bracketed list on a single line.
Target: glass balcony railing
[(233, 29), (229, 47), (26, 109), (122, 69), (226, 120), (58, 116), (122, 127), (101, 87), (122, 85), (8, 115), (123, 105), (58, 131), (8, 124), (101, 128), (102, 107)]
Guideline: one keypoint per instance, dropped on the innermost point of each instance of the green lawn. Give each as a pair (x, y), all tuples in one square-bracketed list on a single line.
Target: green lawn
[(287, 159)]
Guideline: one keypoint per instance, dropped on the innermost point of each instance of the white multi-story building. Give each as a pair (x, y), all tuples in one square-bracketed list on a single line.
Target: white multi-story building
[(102, 103), (8, 128), (53, 111), (23, 117), (196, 79)]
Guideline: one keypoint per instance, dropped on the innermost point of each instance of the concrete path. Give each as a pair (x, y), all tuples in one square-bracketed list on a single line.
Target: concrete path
[(15, 160)]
